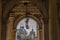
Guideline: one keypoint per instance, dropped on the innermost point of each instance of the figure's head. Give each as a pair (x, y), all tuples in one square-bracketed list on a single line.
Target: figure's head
[(32, 29), (21, 26)]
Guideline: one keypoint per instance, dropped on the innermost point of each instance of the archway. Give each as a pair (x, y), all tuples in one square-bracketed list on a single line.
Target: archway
[(17, 15), (27, 34)]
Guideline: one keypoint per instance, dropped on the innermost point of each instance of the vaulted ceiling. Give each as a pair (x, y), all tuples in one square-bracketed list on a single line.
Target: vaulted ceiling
[(42, 5)]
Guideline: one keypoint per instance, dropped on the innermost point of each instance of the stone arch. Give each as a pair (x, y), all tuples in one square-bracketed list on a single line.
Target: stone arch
[(36, 19), (12, 26), (23, 17), (31, 16)]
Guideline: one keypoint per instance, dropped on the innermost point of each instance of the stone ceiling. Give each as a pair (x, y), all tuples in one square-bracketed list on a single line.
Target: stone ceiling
[(42, 5), (21, 9)]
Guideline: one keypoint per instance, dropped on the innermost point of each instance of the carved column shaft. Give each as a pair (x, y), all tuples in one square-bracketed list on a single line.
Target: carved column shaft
[(10, 28), (53, 20)]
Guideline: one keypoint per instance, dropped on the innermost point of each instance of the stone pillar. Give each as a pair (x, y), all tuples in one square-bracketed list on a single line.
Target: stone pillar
[(10, 28), (46, 29), (53, 20), (46, 32), (0, 18), (41, 31)]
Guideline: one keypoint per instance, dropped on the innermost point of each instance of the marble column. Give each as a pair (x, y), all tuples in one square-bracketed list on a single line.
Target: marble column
[(0, 18), (53, 20)]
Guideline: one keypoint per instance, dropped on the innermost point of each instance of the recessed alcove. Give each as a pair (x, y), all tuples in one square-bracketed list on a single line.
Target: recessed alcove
[(32, 33)]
